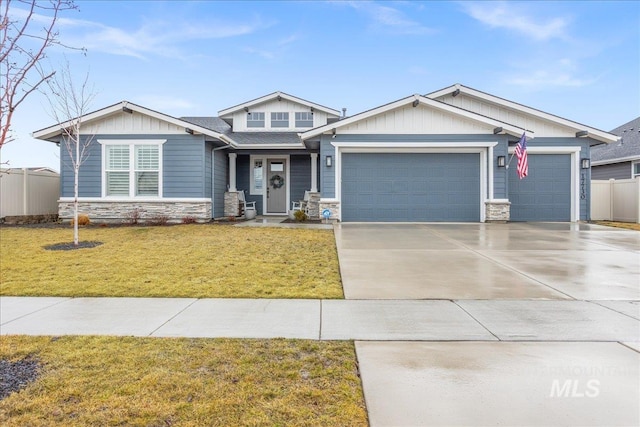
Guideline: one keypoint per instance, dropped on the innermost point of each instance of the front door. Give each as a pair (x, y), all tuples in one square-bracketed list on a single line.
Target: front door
[(276, 186)]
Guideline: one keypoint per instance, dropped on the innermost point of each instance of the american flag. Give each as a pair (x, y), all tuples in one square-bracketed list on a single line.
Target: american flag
[(521, 153)]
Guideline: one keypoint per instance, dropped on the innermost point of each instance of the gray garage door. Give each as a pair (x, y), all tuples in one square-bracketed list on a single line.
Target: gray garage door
[(410, 187), (545, 194)]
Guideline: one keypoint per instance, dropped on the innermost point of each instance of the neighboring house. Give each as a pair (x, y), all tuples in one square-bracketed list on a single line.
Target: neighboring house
[(621, 159), (436, 157)]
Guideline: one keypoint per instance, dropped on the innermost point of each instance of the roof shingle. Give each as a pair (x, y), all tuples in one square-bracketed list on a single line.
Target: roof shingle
[(627, 147)]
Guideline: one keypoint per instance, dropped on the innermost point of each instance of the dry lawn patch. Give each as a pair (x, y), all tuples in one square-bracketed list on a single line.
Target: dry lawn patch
[(187, 382), (200, 261), (627, 225)]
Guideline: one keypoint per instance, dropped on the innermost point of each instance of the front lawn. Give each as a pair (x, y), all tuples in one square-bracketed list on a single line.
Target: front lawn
[(200, 261), (186, 382)]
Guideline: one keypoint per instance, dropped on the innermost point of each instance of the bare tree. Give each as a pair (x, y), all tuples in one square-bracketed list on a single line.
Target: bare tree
[(69, 102), (27, 31)]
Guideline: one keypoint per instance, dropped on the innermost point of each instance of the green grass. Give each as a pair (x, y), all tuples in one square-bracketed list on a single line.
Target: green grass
[(200, 261), (186, 382)]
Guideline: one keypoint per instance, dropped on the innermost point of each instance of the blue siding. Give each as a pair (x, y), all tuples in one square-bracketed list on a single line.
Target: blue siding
[(183, 166), (411, 187), (620, 170), (499, 173), (327, 174), (90, 177), (300, 176), (220, 166), (183, 163), (208, 169)]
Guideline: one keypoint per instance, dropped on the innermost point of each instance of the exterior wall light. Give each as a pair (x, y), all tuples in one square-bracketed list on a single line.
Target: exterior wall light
[(328, 161), (501, 161), (586, 163)]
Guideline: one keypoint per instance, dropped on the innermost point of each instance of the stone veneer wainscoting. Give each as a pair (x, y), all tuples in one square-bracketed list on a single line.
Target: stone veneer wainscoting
[(111, 211)]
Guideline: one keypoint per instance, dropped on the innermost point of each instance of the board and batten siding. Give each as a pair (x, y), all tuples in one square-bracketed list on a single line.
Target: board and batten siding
[(182, 163), (542, 128), (132, 124), (423, 119), (220, 179), (620, 170)]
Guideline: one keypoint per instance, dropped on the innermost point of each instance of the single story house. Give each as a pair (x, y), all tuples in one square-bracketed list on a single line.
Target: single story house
[(443, 156), (620, 160)]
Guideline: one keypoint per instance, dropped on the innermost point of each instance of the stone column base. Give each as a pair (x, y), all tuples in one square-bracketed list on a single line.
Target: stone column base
[(231, 204), (313, 205), (497, 210), (333, 206)]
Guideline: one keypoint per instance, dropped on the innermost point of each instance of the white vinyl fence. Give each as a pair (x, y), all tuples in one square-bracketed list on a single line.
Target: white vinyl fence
[(616, 200), (28, 192)]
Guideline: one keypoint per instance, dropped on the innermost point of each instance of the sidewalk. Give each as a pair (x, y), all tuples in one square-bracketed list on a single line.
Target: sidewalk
[(377, 320)]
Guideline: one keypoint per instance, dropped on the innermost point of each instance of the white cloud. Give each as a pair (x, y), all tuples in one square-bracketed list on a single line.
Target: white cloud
[(515, 18), (390, 19), (157, 38)]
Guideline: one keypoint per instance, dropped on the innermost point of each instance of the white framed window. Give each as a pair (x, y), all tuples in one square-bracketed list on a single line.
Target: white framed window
[(255, 120), (635, 171), (256, 175), (132, 168), (279, 120), (304, 119)]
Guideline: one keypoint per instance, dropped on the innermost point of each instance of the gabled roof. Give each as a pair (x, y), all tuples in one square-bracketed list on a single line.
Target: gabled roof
[(627, 149), (55, 130), (421, 100), (277, 95), (593, 133)]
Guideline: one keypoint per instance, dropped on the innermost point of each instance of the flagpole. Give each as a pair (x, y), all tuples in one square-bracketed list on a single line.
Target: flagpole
[(509, 162)]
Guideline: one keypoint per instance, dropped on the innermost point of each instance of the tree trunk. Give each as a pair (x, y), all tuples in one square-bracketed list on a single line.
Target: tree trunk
[(75, 192)]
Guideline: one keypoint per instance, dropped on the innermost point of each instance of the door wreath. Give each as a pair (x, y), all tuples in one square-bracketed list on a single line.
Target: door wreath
[(276, 181)]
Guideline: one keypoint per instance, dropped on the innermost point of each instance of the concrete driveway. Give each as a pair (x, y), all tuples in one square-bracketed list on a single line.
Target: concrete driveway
[(488, 261), (549, 294)]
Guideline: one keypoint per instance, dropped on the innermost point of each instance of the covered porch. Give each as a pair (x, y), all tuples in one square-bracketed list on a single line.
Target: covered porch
[(273, 180)]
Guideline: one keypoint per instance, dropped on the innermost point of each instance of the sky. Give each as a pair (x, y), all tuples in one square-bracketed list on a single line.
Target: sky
[(579, 59)]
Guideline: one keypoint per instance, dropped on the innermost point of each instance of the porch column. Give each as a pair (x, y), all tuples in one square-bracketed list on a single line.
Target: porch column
[(314, 172), (232, 171)]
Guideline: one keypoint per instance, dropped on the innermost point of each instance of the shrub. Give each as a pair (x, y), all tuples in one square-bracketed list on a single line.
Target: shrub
[(159, 220), (300, 216), (134, 216), (189, 220), (83, 219)]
